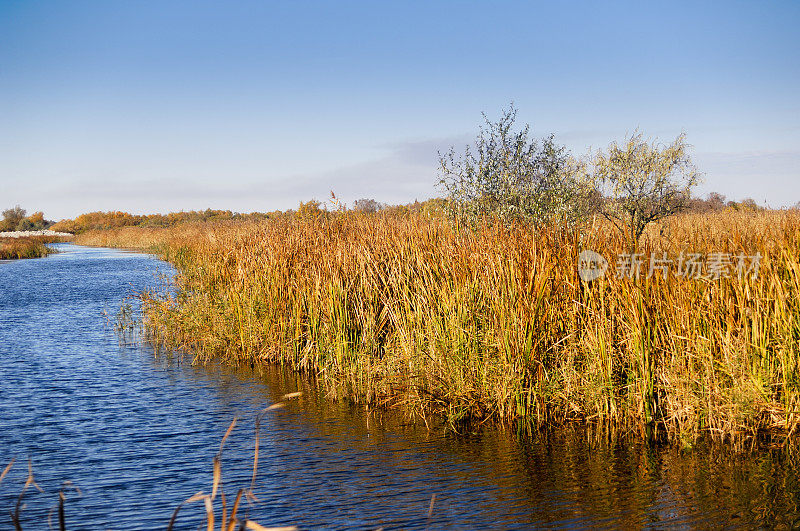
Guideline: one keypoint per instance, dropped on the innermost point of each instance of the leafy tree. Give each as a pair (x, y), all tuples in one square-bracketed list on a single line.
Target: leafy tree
[(367, 205), (311, 209), (644, 182), (713, 202), (12, 217), (25, 224), (35, 221), (511, 176), (749, 204)]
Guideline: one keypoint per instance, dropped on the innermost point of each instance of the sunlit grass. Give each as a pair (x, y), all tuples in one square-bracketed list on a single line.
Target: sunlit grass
[(30, 247), (494, 324)]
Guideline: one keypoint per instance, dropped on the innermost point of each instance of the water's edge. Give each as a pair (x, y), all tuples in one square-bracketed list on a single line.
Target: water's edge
[(137, 434)]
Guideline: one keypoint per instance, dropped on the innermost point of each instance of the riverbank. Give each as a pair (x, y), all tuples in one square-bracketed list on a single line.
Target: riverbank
[(35, 234), (495, 325), (19, 247)]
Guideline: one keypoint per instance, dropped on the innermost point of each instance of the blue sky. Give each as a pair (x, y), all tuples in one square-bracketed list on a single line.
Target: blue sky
[(163, 106)]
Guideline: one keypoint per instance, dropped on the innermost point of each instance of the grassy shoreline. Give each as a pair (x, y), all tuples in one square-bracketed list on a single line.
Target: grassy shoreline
[(25, 247), (494, 325)]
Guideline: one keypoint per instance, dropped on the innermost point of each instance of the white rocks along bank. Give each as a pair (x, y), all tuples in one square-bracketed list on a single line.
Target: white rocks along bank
[(28, 233)]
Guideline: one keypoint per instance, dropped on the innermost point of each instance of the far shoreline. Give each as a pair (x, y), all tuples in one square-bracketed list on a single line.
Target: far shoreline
[(34, 234)]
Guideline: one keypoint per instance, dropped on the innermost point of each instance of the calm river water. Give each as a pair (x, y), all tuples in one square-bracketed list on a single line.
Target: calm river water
[(137, 434)]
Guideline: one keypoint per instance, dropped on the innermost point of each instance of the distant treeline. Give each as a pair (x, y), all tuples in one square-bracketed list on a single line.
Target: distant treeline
[(112, 220), (715, 202), (16, 219)]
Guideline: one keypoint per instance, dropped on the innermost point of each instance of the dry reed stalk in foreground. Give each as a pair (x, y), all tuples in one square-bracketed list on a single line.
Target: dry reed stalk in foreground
[(229, 521)]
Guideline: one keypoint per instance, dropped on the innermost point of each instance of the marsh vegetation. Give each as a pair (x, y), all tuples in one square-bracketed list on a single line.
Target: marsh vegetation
[(471, 307), (494, 324), (30, 247)]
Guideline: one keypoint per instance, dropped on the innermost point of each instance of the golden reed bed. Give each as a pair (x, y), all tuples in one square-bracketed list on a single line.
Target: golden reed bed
[(495, 324), (27, 247)]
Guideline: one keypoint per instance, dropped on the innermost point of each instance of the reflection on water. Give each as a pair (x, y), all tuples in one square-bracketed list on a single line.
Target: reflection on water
[(371, 472), (137, 433)]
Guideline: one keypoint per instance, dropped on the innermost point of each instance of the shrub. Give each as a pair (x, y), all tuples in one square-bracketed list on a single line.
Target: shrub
[(512, 177), (368, 206), (644, 182)]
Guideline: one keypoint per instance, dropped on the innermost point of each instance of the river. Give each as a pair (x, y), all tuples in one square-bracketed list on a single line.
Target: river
[(136, 433)]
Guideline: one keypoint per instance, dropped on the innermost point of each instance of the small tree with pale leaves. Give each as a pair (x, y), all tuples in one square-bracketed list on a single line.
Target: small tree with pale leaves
[(643, 182), (512, 177), (368, 206)]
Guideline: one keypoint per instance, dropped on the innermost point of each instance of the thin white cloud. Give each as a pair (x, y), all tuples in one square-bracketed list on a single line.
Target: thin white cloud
[(406, 171)]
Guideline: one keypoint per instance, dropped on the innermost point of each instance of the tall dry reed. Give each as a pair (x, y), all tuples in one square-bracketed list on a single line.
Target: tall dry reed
[(17, 248), (494, 324)]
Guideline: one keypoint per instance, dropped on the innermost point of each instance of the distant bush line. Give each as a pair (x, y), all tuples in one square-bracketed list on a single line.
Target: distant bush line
[(16, 219)]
